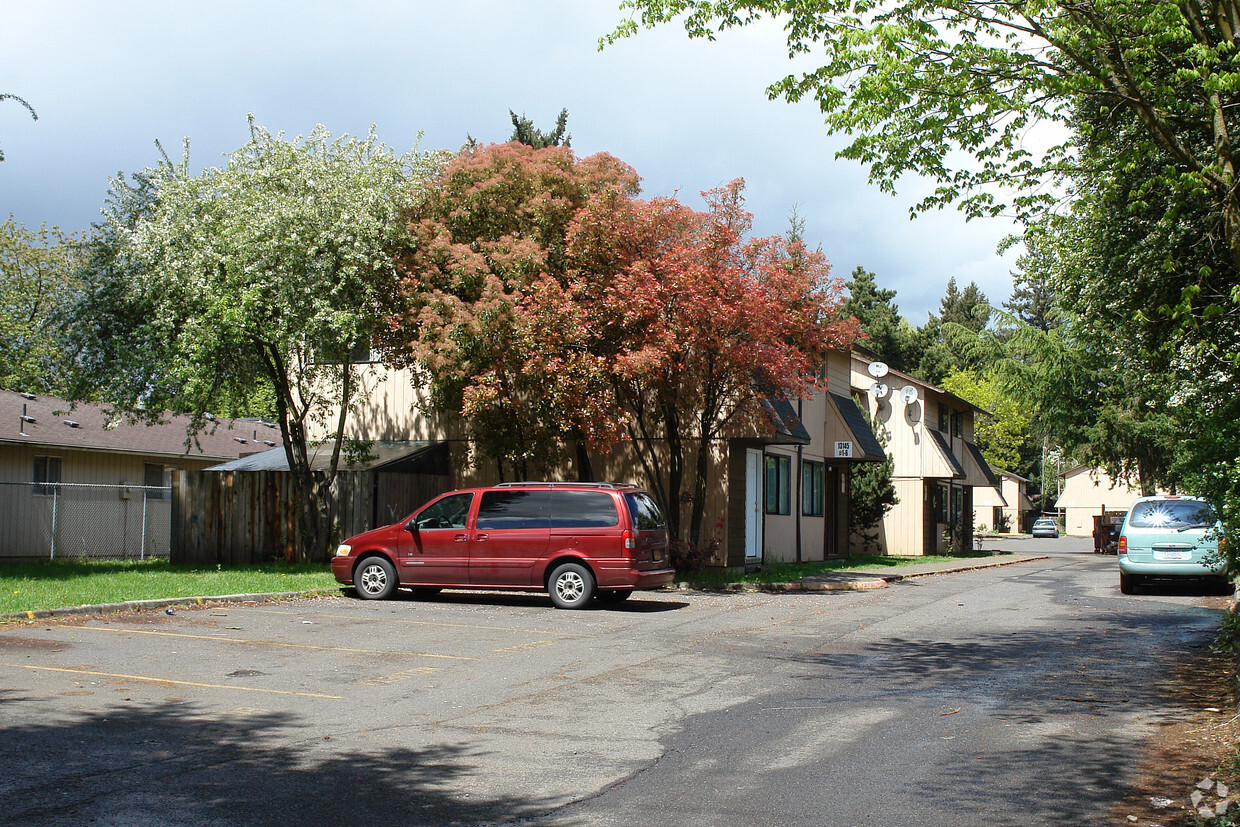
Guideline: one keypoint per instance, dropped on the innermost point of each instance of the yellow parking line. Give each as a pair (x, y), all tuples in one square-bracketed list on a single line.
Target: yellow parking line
[(169, 681), (531, 645), (274, 643)]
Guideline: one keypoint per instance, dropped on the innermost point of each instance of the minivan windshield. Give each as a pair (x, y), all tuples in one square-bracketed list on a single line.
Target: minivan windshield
[(1171, 514), (646, 512)]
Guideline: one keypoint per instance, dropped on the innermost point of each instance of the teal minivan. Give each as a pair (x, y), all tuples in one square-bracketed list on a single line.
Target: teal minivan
[(1168, 536)]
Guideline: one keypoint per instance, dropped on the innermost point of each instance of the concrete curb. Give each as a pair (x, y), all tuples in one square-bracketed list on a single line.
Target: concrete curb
[(797, 586), (993, 564), (851, 581), (163, 602)]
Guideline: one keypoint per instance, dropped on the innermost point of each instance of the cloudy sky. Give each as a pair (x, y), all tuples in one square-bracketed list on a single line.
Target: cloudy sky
[(109, 79)]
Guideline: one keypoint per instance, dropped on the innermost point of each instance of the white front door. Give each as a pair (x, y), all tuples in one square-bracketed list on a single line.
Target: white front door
[(753, 505)]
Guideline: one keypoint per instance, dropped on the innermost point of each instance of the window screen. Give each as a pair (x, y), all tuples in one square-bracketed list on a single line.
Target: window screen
[(46, 471), (812, 488), (778, 485)]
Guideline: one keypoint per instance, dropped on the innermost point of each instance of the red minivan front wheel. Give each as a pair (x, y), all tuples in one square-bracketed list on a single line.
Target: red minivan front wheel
[(374, 579)]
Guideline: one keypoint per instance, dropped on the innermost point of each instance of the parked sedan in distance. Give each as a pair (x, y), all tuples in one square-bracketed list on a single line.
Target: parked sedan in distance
[(1045, 527)]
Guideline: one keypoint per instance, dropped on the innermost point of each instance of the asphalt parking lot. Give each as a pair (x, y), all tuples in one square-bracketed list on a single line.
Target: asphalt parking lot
[(355, 691), (697, 707)]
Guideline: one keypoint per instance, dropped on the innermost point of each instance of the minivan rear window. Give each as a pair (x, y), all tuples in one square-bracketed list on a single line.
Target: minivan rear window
[(512, 509), (1171, 514), (645, 511)]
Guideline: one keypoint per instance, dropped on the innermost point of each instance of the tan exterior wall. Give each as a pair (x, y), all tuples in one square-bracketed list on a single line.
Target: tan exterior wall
[(1088, 491), (390, 407), (387, 406), (918, 463), (90, 521), (1014, 504)]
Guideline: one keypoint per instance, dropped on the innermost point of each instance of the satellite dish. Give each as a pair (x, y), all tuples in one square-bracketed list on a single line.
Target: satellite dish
[(879, 389), (908, 394), (878, 369)]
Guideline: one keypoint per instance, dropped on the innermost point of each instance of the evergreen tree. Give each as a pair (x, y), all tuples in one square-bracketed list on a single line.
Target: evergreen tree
[(524, 131), (887, 333), (871, 494)]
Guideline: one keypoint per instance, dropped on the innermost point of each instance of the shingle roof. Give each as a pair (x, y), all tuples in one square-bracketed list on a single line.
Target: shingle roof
[(48, 421), (385, 454), (871, 448)]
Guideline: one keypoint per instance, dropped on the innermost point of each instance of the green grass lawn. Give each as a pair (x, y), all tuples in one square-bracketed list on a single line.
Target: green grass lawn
[(62, 583), (790, 572)]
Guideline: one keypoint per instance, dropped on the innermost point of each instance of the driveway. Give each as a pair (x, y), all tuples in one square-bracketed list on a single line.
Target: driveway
[(1013, 695)]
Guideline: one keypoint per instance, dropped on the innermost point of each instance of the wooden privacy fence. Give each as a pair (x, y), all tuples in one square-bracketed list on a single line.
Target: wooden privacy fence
[(246, 517)]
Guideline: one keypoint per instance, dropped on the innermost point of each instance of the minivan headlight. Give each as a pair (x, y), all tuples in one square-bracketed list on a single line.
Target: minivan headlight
[(343, 550)]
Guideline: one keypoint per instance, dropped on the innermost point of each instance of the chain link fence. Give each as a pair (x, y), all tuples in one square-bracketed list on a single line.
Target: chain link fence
[(75, 520)]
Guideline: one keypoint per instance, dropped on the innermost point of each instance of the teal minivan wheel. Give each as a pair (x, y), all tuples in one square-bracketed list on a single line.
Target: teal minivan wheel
[(1127, 583)]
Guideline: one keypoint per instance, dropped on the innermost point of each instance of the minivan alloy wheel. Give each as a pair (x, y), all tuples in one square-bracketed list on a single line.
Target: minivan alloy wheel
[(572, 586), (375, 579)]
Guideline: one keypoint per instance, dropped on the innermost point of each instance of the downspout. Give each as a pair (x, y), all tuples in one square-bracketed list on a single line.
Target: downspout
[(796, 504)]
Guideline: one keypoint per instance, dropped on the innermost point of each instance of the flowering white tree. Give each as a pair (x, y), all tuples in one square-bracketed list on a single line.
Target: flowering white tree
[(256, 278)]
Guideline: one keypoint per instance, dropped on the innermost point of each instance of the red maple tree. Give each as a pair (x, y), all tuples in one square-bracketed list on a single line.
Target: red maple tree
[(549, 306)]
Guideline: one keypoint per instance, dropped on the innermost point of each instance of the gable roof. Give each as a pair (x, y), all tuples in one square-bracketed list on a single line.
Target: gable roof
[(51, 422)]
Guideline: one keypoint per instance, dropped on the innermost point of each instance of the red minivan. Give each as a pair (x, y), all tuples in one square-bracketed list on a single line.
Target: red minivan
[(576, 541)]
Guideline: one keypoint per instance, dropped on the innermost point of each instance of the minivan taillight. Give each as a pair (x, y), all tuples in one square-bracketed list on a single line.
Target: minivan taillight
[(629, 542), (1123, 544)]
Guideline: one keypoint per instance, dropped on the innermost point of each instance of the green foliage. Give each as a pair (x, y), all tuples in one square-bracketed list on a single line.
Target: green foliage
[(950, 90), (523, 131), (38, 283), (1002, 432), (220, 288)]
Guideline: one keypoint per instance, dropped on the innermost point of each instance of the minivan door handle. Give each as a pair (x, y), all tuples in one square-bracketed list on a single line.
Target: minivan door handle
[(479, 537), (460, 538)]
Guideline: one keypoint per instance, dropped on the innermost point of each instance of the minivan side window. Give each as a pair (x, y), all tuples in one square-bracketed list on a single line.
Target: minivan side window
[(449, 512), (512, 509), (583, 509), (645, 512)]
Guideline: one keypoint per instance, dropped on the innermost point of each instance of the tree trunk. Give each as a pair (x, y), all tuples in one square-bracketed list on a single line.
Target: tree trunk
[(585, 469)]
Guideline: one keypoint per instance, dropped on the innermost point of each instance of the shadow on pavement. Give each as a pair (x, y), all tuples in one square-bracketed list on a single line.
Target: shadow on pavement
[(170, 764)]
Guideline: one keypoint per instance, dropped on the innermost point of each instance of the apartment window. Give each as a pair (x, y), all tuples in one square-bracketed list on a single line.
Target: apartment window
[(46, 475), (938, 503), (813, 477), (957, 426), (778, 485), (944, 418), (158, 478)]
